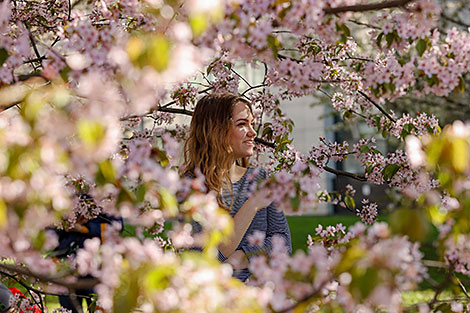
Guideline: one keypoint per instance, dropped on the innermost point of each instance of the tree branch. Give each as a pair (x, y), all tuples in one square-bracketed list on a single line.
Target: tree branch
[(367, 7), (344, 173), (28, 288), (450, 19), (33, 43), (377, 106), (83, 283)]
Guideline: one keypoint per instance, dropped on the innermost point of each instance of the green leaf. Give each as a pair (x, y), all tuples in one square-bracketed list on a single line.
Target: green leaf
[(64, 73), (407, 130), (140, 192), (3, 214), (349, 259), (126, 295), (199, 23), (389, 38), (273, 44), (364, 282), (421, 46), (461, 86), (125, 196), (158, 54), (410, 222), (459, 154), (106, 173), (90, 132), (168, 202), (151, 50), (390, 87), (389, 171), (379, 39), (159, 277), (267, 131), (347, 115), (3, 56), (350, 202)]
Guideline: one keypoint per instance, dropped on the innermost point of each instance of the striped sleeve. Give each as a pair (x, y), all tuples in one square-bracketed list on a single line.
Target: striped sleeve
[(276, 225)]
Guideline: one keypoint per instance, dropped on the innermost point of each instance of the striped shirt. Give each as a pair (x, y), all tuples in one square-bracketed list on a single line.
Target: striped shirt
[(269, 220)]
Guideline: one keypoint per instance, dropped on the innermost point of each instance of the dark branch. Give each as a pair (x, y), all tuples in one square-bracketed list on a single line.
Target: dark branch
[(367, 7), (326, 168), (450, 19), (22, 283), (343, 173), (33, 43), (241, 77), (377, 106), (265, 143), (253, 87), (84, 283)]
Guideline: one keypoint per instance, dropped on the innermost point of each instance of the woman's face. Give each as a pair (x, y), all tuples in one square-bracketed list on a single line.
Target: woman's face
[(242, 134)]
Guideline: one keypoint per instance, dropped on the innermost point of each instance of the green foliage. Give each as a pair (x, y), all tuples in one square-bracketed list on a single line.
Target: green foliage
[(153, 50), (389, 171), (3, 213), (91, 132), (3, 56), (421, 46), (198, 23), (410, 222), (106, 173)]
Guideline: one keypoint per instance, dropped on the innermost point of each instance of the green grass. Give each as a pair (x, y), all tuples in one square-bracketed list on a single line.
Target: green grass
[(301, 226)]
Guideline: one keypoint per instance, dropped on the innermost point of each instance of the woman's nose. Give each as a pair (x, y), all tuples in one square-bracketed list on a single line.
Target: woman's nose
[(251, 132)]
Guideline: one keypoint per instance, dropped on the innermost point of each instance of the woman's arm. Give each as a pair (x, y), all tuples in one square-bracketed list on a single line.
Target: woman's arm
[(276, 226), (243, 219)]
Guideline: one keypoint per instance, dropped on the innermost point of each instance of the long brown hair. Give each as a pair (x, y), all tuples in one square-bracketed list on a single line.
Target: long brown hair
[(207, 147)]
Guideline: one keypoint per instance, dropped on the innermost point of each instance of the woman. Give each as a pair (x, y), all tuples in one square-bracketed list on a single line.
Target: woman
[(220, 141)]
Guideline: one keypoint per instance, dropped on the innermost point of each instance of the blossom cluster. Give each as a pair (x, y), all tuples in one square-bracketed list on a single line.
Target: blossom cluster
[(368, 213), (312, 274), (326, 151)]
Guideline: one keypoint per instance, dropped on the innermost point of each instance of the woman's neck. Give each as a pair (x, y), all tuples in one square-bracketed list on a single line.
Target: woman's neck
[(236, 172)]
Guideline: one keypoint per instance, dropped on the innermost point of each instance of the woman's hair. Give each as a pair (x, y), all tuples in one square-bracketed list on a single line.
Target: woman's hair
[(207, 147)]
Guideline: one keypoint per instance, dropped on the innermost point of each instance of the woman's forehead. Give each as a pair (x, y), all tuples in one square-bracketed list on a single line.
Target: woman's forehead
[(241, 110)]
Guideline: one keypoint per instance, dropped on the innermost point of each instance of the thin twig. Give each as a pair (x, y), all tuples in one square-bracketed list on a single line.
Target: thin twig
[(364, 24), (33, 43), (84, 283), (462, 287), (377, 106), (367, 7), (265, 73), (450, 19), (29, 287), (243, 78), (344, 173), (174, 101), (251, 88)]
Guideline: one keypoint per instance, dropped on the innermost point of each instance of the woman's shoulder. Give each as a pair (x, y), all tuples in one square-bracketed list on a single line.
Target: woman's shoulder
[(257, 173)]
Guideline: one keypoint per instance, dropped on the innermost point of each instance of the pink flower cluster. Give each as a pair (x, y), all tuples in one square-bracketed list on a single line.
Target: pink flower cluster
[(327, 151), (224, 78), (292, 278), (185, 96), (457, 253), (387, 78), (393, 169), (368, 213), (407, 125)]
